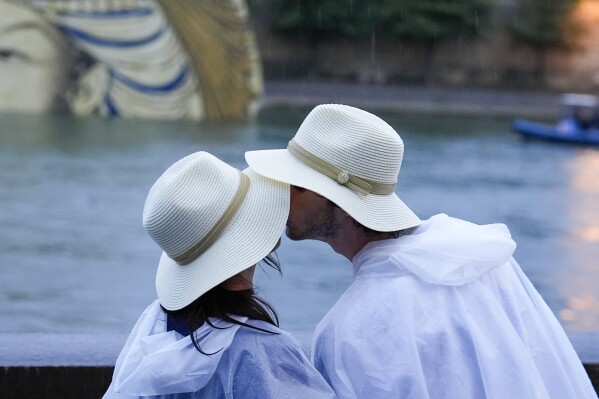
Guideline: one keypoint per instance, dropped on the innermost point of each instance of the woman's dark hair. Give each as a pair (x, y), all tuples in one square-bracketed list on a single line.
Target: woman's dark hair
[(223, 304)]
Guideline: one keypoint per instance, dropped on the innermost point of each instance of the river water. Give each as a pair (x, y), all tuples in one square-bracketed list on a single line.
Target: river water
[(74, 256)]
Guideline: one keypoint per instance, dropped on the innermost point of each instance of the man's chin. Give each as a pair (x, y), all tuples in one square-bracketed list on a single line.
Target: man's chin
[(292, 235)]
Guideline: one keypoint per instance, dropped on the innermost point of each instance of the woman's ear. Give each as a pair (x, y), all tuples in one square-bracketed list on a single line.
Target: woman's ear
[(86, 95)]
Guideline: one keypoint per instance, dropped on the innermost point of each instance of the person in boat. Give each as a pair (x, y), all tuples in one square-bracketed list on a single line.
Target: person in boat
[(581, 113), (208, 335), (584, 117), (437, 308), (595, 120)]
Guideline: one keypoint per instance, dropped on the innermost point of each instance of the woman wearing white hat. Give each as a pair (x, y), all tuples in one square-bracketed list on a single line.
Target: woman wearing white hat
[(207, 335)]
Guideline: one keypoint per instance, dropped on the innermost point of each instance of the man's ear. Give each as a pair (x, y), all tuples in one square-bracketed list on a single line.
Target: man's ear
[(86, 95)]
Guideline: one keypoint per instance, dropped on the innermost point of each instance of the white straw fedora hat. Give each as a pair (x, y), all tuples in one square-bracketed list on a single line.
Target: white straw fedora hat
[(351, 157), (212, 221)]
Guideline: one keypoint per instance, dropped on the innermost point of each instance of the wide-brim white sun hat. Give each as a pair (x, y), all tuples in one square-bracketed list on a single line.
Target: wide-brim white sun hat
[(351, 157), (212, 221)]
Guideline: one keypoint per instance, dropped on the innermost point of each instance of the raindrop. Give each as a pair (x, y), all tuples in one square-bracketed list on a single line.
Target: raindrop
[(320, 16), (372, 46)]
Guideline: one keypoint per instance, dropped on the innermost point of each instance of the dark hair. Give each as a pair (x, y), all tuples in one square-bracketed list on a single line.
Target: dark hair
[(392, 234), (223, 304)]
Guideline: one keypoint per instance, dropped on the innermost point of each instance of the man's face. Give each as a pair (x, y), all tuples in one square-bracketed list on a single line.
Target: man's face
[(311, 216)]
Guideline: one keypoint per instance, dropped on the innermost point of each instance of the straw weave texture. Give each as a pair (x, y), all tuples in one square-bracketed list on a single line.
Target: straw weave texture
[(355, 141), (183, 206)]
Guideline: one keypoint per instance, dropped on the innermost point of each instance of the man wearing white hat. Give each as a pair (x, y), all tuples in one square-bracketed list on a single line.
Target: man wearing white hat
[(438, 308)]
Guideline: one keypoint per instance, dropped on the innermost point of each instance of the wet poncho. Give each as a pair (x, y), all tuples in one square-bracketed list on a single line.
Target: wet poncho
[(445, 313), (246, 363)]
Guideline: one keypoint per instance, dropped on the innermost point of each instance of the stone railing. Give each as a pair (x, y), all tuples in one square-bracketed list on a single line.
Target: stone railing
[(79, 366)]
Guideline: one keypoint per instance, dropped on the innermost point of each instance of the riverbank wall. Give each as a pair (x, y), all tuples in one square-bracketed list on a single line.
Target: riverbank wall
[(75, 366), (416, 99)]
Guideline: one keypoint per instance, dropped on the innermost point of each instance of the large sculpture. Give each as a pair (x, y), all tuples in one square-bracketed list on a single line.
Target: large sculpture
[(167, 59)]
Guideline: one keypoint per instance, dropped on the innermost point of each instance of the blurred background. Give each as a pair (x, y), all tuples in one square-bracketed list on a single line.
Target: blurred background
[(98, 98), (532, 44)]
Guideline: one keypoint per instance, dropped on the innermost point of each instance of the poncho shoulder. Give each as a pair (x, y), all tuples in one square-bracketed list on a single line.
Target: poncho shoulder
[(445, 313), (242, 362)]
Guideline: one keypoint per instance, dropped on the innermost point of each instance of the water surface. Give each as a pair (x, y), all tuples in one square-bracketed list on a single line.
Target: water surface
[(74, 256)]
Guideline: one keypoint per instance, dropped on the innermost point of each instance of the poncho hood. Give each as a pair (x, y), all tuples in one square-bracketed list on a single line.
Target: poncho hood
[(443, 250), (155, 361)]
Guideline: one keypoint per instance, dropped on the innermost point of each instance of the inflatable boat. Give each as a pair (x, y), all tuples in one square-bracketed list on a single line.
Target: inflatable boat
[(579, 124), (565, 131)]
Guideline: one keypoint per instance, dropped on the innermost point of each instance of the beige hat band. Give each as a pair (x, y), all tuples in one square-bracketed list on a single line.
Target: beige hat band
[(341, 176), (196, 250)]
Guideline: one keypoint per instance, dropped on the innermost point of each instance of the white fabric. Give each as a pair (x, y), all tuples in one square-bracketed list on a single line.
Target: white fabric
[(445, 313), (247, 364), (157, 362)]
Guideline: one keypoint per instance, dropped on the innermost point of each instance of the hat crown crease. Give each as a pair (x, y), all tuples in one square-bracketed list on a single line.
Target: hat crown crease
[(175, 217), (353, 182), (354, 141), (205, 242)]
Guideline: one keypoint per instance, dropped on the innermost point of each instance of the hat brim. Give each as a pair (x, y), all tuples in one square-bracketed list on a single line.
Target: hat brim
[(250, 235), (378, 212)]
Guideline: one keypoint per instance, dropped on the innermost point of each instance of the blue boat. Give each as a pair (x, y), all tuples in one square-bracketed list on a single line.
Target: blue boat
[(572, 134), (580, 124)]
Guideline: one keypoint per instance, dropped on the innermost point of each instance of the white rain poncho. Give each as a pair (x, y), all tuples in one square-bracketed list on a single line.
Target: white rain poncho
[(445, 313), (248, 364)]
